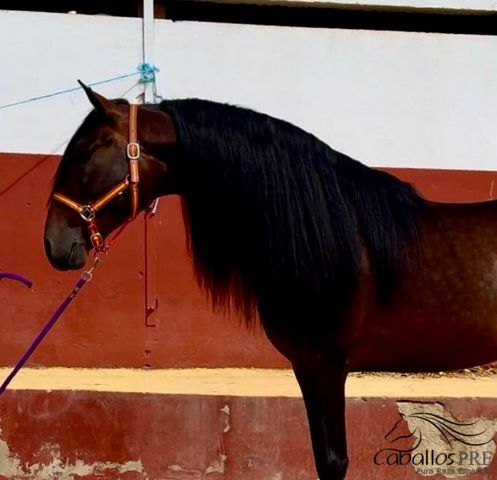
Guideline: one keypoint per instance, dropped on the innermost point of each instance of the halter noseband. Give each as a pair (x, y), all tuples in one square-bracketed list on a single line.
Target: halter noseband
[(88, 212)]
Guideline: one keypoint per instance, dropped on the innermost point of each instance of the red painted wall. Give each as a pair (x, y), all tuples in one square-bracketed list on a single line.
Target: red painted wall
[(177, 437), (107, 325)]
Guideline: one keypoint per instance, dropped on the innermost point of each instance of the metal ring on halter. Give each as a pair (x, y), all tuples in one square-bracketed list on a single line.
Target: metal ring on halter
[(87, 213)]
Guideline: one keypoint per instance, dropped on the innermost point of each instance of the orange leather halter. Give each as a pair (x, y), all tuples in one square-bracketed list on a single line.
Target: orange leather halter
[(88, 212)]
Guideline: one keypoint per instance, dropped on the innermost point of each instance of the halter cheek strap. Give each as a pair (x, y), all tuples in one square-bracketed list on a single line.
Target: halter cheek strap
[(88, 212), (133, 153)]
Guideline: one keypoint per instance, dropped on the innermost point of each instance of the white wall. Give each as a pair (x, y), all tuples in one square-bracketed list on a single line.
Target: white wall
[(42, 53), (386, 98)]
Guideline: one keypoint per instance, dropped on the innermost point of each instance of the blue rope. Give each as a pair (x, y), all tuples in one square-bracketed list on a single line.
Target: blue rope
[(145, 70)]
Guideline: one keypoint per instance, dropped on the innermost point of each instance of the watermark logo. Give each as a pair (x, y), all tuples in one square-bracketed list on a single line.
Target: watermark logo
[(432, 441)]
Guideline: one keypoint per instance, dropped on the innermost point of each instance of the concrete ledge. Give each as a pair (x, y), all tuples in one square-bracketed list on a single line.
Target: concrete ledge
[(242, 382)]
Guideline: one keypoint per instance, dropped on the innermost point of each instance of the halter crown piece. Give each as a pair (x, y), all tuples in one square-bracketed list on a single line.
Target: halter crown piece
[(88, 212)]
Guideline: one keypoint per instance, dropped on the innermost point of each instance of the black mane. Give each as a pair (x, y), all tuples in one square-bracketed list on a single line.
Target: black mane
[(275, 216)]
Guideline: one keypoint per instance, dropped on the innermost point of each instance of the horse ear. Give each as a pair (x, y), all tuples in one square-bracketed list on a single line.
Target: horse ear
[(100, 103)]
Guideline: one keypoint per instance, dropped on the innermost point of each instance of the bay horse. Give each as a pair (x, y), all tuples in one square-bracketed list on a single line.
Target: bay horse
[(346, 267)]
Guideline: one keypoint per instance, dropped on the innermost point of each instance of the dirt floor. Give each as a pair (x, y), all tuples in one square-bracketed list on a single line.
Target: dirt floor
[(488, 370)]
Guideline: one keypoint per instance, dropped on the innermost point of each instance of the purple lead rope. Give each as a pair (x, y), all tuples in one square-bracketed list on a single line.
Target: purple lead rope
[(83, 280), (16, 276)]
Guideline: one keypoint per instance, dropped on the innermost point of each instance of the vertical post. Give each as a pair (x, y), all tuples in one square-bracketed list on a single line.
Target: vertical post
[(148, 45), (150, 223)]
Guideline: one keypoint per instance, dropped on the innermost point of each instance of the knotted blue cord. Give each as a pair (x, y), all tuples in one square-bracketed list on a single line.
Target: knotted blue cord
[(147, 72)]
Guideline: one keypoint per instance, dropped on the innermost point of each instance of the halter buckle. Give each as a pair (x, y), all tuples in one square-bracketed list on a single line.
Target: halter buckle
[(97, 242), (129, 150), (87, 213)]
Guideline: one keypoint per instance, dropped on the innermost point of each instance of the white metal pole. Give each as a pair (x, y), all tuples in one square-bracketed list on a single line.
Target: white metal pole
[(148, 45)]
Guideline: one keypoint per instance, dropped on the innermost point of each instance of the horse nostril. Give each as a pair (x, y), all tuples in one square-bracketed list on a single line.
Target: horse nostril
[(48, 247)]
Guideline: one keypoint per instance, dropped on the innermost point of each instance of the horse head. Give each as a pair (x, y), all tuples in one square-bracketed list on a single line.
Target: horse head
[(94, 162), (400, 437)]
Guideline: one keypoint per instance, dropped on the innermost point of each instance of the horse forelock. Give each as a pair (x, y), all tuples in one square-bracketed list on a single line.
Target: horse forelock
[(277, 218)]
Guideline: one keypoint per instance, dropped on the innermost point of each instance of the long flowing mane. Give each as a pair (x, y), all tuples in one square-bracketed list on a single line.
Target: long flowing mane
[(274, 214)]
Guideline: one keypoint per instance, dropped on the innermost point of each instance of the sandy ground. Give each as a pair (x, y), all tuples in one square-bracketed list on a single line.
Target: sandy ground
[(245, 382)]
